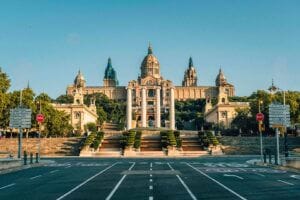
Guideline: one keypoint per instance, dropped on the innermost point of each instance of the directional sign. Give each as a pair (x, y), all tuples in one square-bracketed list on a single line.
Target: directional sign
[(20, 118), (279, 115)]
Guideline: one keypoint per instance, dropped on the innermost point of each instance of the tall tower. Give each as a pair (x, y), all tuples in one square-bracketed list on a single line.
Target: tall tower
[(110, 76), (79, 84), (150, 65), (221, 79), (190, 75)]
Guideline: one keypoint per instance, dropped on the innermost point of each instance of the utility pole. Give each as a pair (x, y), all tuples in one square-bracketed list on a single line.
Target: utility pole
[(20, 132), (260, 134)]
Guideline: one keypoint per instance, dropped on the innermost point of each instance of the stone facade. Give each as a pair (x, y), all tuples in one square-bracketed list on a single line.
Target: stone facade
[(150, 99)]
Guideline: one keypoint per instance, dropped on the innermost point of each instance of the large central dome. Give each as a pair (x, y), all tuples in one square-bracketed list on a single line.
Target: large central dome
[(150, 65)]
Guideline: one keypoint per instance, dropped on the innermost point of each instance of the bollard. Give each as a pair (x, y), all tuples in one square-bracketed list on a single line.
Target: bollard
[(25, 158), (276, 159), (31, 158), (36, 158), (265, 157)]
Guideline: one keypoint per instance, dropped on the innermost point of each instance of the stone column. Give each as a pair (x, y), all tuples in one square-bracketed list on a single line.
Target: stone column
[(129, 108), (144, 108), (172, 109), (157, 118)]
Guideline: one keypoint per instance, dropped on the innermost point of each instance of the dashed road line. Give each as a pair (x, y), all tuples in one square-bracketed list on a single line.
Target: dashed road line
[(233, 175), (86, 181), (151, 165), (34, 177), (150, 180), (151, 198), (150, 187), (7, 186), (214, 180), (150, 175), (118, 184), (285, 182), (260, 174), (184, 185)]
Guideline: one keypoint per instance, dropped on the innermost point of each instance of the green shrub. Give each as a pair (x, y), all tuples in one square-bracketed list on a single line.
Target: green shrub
[(137, 141), (89, 140), (211, 138)]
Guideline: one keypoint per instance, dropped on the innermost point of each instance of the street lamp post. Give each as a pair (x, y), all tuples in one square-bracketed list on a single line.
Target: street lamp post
[(260, 133)]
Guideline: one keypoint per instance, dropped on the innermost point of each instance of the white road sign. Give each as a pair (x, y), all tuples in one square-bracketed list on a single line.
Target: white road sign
[(279, 115), (20, 118)]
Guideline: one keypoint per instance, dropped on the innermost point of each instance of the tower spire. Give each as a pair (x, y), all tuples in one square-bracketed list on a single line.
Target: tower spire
[(109, 65), (150, 49), (191, 62)]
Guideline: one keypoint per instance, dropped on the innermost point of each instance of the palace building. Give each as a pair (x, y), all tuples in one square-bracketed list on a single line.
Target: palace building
[(150, 99)]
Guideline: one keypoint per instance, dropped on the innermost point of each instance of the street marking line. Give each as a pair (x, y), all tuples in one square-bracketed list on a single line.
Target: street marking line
[(68, 167), (214, 180), (34, 177), (118, 184), (86, 181), (7, 186), (295, 176), (151, 198), (150, 165), (54, 171), (150, 180), (150, 187), (183, 183), (233, 175), (288, 183), (150, 175), (260, 174)]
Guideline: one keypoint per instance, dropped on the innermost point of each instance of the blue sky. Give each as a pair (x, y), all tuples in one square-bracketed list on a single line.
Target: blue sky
[(46, 42)]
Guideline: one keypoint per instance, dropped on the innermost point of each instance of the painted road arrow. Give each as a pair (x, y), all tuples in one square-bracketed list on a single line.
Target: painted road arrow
[(232, 175)]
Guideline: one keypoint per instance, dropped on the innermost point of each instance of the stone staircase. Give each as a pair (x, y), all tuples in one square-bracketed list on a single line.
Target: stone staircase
[(191, 143), (110, 147), (151, 143), (107, 127)]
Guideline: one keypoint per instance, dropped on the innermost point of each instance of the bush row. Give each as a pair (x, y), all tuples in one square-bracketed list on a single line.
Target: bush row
[(137, 141), (94, 140), (128, 139), (168, 138), (208, 138)]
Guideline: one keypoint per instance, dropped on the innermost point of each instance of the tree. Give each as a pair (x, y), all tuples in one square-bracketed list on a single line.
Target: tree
[(64, 99), (4, 82)]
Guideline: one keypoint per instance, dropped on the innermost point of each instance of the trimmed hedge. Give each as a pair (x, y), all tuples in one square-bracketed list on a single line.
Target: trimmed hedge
[(137, 141), (168, 138), (207, 138), (128, 139), (94, 140)]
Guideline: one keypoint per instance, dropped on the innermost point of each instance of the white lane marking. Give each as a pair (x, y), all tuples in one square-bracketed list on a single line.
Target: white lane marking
[(151, 165), (260, 174), (151, 198), (150, 175), (54, 171), (34, 177), (288, 183), (183, 183), (150, 169), (86, 181), (295, 176), (7, 186), (150, 187), (232, 175), (214, 180), (150, 180), (118, 184), (68, 167)]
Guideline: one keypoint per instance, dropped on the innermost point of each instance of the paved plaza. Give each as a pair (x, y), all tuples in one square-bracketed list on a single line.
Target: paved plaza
[(200, 178)]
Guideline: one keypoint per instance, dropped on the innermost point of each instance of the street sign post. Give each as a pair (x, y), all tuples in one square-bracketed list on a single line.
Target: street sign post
[(279, 117), (40, 118), (260, 117), (20, 118)]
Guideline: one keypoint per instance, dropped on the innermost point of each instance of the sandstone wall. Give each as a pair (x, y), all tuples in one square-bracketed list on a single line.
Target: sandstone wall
[(49, 146), (251, 145)]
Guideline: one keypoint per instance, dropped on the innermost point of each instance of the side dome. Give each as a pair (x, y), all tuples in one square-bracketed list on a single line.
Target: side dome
[(79, 80), (221, 79), (150, 65)]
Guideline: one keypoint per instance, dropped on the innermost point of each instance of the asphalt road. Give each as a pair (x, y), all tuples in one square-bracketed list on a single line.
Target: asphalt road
[(201, 178)]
